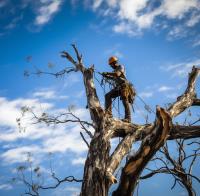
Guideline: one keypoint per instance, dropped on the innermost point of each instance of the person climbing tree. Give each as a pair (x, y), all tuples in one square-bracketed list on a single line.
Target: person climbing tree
[(121, 87)]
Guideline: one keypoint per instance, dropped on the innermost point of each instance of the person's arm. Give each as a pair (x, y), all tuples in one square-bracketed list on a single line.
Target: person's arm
[(112, 74)]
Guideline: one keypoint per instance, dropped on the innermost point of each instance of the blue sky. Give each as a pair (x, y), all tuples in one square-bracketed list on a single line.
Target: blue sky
[(157, 41)]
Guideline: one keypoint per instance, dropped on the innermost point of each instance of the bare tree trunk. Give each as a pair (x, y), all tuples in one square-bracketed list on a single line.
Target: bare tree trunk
[(94, 182), (189, 189)]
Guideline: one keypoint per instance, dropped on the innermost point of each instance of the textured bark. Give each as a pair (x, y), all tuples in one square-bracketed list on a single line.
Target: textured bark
[(177, 131), (189, 96), (100, 166), (150, 145), (95, 182)]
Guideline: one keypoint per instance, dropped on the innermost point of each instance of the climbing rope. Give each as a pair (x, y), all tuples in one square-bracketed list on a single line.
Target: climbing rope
[(146, 106)]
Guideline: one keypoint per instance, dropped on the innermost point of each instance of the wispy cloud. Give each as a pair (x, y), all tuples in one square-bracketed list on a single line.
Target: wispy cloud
[(72, 191), (164, 88), (18, 154), (196, 42), (13, 22), (133, 17), (46, 10), (177, 32), (48, 94), (181, 69), (78, 161), (11, 109), (3, 3), (194, 19), (5, 187), (38, 138), (146, 94), (114, 51)]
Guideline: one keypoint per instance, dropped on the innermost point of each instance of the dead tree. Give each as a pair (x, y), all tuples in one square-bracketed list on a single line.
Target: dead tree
[(100, 166), (176, 167)]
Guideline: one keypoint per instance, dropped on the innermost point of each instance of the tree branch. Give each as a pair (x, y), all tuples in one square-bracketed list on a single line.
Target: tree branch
[(189, 96), (96, 112), (196, 102), (135, 165)]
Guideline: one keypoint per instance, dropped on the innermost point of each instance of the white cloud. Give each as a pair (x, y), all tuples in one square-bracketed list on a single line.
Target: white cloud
[(78, 161), (45, 94), (146, 94), (195, 18), (132, 17), (49, 139), (10, 110), (71, 190), (3, 3), (71, 80), (181, 69), (5, 187), (172, 95), (96, 4), (196, 43), (112, 3), (114, 51), (177, 32), (68, 141), (177, 9), (48, 94), (13, 23), (74, 191), (130, 9), (126, 28), (18, 154), (164, 88), (46, 10)]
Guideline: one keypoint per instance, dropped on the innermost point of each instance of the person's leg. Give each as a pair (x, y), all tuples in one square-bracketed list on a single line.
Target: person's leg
[(127, 109), (108, 100)]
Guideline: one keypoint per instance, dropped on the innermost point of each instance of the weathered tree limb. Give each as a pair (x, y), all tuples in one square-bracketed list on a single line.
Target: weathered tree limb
[(189, 96), (96, 112), (196, 102), (94, 182), (82, 136), (177, 131), (148, 148), (184, 132)]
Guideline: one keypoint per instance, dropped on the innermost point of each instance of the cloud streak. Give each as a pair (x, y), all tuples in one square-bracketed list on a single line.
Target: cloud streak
[(38, 139), (133, 17), (46, 10), (181, 69)]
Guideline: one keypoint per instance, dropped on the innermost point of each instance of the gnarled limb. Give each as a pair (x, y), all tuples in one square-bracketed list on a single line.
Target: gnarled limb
[(96, 112), (135, 165), (196, 102), (189, 96)]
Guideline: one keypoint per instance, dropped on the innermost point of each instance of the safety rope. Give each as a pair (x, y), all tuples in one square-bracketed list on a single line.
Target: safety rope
[(146, 106), (142, 113)]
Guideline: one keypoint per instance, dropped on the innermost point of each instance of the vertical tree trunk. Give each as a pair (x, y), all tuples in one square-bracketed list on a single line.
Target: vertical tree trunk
[(94, 180)]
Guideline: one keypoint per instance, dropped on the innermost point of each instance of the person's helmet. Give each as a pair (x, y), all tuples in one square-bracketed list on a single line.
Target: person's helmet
[(112, 59)]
